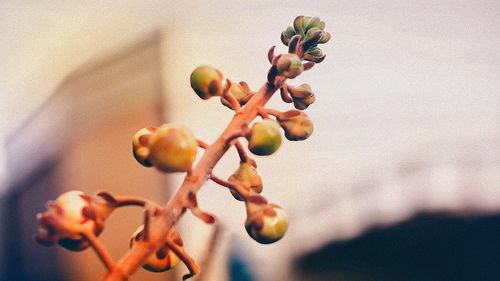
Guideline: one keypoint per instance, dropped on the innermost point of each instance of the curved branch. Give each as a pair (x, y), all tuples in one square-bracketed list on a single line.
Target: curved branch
[(99, 249), (202, 144), (242, 192), (187, 260), (244, 157)]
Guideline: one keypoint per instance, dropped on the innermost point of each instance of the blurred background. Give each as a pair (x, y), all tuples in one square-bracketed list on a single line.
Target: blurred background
[(400, 180)]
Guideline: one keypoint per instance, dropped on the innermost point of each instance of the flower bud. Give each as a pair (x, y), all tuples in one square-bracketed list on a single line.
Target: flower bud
[(206, 81), (289, 65), (247, 177), (140, 145), (303, 25), (70, 214), (267, 225), (163, 259), (239, 93), (302, 96), (264, 138), (296, 124), (173, 148)]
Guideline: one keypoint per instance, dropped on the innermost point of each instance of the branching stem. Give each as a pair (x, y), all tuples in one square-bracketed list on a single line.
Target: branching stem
[(174, 209)]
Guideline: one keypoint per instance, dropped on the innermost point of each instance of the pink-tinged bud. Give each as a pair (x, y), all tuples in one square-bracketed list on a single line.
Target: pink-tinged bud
[(289, 65), (70, 215), (302, 96), (296, 124)]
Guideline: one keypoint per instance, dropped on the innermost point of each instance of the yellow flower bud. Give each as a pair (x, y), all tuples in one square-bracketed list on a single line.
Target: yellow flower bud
[(140, 145), (247, 177), (173, 148)]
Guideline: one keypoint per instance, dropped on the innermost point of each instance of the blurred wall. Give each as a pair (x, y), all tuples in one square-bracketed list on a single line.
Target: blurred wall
[(400, 76)]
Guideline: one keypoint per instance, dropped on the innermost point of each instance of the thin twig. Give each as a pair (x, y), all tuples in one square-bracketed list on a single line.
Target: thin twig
[(235, 104), (244, 157), (263, 113), (273, 112), (122, 201), (202, 144), (232, 186), (186, 259), (99, 249)]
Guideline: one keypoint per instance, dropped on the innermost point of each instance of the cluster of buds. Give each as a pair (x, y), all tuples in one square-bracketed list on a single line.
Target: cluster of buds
[(74, 219), (311, 32)]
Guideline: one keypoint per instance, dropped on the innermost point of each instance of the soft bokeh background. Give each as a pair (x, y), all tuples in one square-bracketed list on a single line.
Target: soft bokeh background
[(406, 118)]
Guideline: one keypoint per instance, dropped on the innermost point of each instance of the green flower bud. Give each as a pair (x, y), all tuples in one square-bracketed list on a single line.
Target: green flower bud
[(296, 124), (247, 177), (289, 65), (140, 145), (206, 81), (267, 225), (163, 259), (264, 138), (173, 149), (302, 96)]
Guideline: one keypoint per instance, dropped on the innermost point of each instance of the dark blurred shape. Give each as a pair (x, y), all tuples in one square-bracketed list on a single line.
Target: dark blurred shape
[(433, 247), (80, 138), (239, 263)]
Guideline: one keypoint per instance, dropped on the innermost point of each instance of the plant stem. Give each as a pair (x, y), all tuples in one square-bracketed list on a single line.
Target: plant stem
[(175, 207)]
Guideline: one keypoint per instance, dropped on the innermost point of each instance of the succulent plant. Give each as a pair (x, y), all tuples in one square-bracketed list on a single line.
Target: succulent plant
[(311, 32), (74, 220)]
